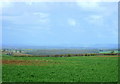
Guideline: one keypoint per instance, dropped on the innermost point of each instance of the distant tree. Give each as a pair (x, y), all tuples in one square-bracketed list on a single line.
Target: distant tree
[(20, 51), (69, 55), (112, 51)]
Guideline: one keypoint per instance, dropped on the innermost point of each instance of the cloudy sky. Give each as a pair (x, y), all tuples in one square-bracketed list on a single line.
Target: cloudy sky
[(59, 23)]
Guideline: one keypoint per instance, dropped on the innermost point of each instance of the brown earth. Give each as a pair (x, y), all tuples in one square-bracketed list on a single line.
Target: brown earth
[(28, 62)]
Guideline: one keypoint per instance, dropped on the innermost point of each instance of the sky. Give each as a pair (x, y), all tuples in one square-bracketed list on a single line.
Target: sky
[(59, 23)]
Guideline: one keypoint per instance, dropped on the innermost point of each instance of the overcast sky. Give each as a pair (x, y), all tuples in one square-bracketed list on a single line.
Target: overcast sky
[(59, 23)]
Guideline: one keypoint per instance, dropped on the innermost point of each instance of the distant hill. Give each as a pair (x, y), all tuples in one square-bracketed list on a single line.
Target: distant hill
[(96, 46), (105, 46)]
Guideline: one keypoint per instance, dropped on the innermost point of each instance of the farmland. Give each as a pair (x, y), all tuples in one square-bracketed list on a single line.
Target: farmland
[(60, 69)]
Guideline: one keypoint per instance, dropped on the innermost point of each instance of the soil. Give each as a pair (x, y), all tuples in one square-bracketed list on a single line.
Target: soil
[(28, 62)]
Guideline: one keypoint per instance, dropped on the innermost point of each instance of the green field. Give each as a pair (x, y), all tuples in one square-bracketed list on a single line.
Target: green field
[(60, 69)]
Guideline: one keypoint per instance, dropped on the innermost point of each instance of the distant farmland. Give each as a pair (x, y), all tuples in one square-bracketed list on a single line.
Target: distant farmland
[(64, 51), (59, 51)]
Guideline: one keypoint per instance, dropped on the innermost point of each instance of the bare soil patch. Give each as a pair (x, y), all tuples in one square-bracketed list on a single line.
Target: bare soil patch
[(28, 62)]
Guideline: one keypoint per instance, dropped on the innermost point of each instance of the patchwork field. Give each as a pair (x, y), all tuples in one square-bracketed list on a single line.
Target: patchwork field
[(60, 69)]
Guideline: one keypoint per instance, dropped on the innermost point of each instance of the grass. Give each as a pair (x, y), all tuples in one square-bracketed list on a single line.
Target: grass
[(60, 69)]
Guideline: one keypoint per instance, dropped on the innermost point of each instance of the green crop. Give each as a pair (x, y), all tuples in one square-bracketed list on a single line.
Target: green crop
[(60, 69)]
